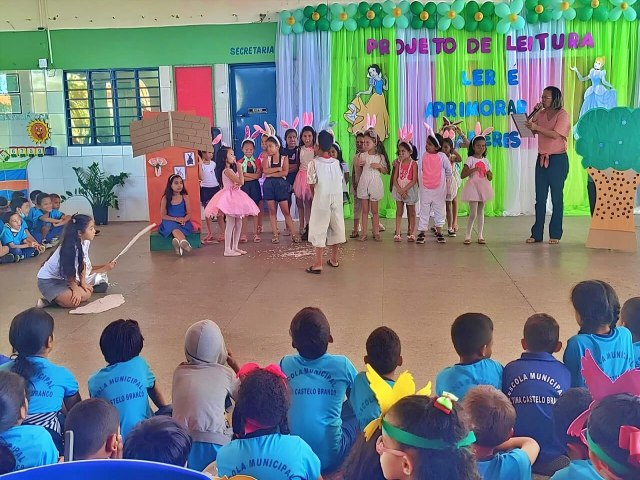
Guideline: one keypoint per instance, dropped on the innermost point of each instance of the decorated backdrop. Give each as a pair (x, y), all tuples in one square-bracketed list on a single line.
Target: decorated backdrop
[(417, 62)]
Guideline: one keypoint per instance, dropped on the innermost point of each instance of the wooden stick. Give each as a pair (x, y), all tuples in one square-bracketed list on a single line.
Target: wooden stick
[(134, 240)]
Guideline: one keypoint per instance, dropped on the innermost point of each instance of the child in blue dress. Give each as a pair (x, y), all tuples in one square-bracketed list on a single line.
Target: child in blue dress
[(472, 336), (264, 447), (30, 445), (50, 386), (126, 382), (597, 308), (176, 214)]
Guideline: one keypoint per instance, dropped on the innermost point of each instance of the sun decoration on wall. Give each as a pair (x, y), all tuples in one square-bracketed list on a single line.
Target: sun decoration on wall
[(38, 130)]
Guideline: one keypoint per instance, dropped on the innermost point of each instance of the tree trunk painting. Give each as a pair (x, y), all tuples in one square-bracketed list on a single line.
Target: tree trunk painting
[(612, 224)]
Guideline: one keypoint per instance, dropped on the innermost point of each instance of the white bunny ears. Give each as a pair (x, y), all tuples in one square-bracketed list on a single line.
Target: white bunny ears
[(431, 133), (248, 136), (405, 134), (268, 131), (293, 125), (482, 133)]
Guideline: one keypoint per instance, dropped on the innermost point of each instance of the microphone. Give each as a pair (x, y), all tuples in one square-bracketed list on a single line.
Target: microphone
[(535, 110)]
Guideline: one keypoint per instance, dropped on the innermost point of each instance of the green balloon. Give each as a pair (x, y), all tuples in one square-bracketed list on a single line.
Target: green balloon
[(416, 23), (376, 7), (308, 11), (322, 9), (471, 25), (600, 14), (416, 8), (376, 22), (323, 25), (485, 25), (388, 21), (363, 22), (310, 26), (351, 25), (363, 7), (336, 25)]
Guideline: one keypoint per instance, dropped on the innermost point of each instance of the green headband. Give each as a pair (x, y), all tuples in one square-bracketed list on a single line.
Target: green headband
[(420, 442), (620, 468)]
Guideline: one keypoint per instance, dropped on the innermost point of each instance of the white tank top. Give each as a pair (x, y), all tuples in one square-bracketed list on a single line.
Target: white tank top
[(209, 179)]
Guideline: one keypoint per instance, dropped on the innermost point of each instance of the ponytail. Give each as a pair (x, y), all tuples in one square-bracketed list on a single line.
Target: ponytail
[(28, 334), (71, 252)]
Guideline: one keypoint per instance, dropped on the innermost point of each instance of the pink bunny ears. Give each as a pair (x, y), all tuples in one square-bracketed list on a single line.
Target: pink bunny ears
[(248, 136), (293, 125), (431, 133), (370, 121), (405, 134), (307, 119), (217, 139), (267, 131), (449, 128), (482, 133)]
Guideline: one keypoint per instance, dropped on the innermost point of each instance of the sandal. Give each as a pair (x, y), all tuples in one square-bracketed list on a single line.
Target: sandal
[(382, 228), (259, 228), (397, 238), (243, 238), (467, 241), (533, 240), (482, 241), (354, 234), (377, 237), (256, 238), (313, 270), (295, 239), (221, 238), (554, 241), (362, 238), (411, 238), (275, 239), (334, 265)]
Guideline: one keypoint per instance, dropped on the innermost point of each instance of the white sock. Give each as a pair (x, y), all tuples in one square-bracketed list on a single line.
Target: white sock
[(228, 235), (480, 219), (473, 213)]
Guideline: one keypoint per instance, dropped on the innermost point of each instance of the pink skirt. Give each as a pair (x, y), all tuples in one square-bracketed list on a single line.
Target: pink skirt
[(477, 189), (231, 201), (300, 186)]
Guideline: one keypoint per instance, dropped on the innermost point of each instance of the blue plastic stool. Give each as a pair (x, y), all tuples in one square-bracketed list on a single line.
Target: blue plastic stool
[(107, 470)]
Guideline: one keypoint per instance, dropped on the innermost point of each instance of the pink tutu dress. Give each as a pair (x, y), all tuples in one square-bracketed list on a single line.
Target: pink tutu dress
[(300, 186), (477, 188), (231, 200)]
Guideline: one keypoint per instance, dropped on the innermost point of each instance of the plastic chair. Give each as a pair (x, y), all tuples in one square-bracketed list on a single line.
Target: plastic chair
[(107, 470)]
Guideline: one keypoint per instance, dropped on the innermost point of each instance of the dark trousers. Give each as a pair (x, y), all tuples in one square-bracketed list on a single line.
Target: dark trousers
[(591, 191), (550, 178)]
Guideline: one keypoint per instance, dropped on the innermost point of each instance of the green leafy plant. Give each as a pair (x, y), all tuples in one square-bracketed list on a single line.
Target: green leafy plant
[(96, 186)]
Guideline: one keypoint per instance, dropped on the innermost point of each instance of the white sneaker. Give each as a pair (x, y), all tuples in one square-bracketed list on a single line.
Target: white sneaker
[(176, 246), (185, 245)]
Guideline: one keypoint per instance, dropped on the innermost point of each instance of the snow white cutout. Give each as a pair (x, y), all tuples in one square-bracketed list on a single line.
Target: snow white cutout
[(597, 96), (377, 105)]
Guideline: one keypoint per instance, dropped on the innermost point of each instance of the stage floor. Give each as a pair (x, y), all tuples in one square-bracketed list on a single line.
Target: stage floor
[(417, 290)]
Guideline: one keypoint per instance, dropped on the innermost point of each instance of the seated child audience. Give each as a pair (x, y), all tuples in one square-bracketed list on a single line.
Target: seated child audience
[(126, 382), (630, 318), (384, 356), (533, 383), (597, 308), (17, 237), (5, 255), (472, 336), (612, 437), (320, 383), (7, 460), (96, 430), (47, 224), (263, 447), (499, 455), (33, 195), (568, 407), (30, 445), (159, 439), (201, 389), (426, 438), (4, 205), (22, 207), (49, 386)]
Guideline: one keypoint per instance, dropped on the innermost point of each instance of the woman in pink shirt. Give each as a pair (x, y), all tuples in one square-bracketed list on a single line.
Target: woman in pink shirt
[(552, 126)]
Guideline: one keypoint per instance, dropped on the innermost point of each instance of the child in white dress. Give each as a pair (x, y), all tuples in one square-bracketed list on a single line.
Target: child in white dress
[(478, 190), (405, 189)]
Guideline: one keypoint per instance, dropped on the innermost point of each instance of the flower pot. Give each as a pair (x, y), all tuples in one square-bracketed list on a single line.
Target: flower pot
[(100, 214)]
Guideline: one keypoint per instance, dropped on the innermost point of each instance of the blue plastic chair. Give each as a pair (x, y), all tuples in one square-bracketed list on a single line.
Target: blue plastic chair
[(107, 470)]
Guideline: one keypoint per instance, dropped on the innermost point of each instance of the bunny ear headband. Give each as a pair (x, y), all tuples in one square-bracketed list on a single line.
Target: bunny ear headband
[(405, 134), (267, 131), (600, 386), (217, 139), (248, 136), (432, 134), (290, 126), (449, 128), (307, 119), (482, 133)]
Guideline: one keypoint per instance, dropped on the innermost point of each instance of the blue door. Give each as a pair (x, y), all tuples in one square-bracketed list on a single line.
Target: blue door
[(253, 99)]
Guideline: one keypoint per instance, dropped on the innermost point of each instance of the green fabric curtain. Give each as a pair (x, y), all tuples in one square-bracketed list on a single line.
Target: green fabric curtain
[(349, 64)]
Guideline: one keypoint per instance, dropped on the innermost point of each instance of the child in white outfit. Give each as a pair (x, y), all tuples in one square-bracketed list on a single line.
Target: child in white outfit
[(436, 168), (477, 190)]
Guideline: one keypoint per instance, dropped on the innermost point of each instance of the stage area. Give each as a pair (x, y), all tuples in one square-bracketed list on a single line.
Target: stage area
[(417, 290)]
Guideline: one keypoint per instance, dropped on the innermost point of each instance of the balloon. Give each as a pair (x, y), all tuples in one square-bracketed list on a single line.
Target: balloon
[(416, 8), (351, 25), (363, 7), (363, 22), (336, 25), (310, 26), (322, 9), (388, 21), (323, 25), (308, 11), (402, 22), (336, 8)]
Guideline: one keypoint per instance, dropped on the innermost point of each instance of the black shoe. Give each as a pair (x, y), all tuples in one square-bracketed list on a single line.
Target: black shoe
[(101, 287), (9, 258), (420, 238), (305, 234), (440, 238)]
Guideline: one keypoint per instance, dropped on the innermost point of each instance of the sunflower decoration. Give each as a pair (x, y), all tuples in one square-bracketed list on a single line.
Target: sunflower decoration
[(388, 396), (424, 15), (479, 17), (539, 11), (370, 15), (38, 130), (597, 10), (316, 18)]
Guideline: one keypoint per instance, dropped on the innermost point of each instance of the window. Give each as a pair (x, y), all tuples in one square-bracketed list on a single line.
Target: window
[(10, 93), (102, 103)]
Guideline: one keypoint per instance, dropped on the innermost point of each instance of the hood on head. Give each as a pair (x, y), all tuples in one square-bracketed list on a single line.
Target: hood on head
[(204, 343)]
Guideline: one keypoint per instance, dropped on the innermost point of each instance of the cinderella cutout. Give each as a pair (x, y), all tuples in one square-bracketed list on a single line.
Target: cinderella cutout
[(377, 105), (601, 93)]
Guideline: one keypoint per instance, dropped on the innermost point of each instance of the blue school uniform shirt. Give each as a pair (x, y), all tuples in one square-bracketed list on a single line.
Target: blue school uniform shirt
[(636, 354), (577, 469), (318, 390), (36, 213), (49, 386), (17, 238), (459, 378), (125, 385), (31, 446), (272, 457), (363, 400), (613, 352), (534, 383), (512, 465)]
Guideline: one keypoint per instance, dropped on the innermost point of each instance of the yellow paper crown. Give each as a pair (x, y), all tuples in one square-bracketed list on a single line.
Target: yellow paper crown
[(388, 396)]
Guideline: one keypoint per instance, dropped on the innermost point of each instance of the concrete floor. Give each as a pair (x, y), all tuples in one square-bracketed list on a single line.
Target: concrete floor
[(417, 290)]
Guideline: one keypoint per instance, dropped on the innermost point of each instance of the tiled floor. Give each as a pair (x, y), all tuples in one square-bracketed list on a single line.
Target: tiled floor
[(416, 289)]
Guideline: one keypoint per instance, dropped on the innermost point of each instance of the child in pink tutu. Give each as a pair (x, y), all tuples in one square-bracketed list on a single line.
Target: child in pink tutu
[(232, 202), (477, 190), (300, 186)]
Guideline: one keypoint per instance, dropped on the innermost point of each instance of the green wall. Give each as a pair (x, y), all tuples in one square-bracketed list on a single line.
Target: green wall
[(140, 47)]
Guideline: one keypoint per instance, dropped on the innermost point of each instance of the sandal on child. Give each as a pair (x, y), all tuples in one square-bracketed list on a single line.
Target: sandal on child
[(554, 241), (533, 240), (362, 238), (334, 265), (259, 228), (275, 239), (397, 238), (377, 237), (207, 240), (411, 238), (243, 238), (467, 241), (295, 239), (287, 233), (482, 241), (313, 270), (354, 234), (440, 238), (256, 238)]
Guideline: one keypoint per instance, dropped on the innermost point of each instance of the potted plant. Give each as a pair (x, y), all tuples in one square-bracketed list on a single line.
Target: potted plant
[(97, 187)]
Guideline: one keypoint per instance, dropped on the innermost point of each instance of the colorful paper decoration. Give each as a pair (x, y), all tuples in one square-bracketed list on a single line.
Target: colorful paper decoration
[(38, 130), (623, 8), (479, 17), (510, 18), (450, 14), (563, 9), (597, 10), (395, 14), (424, 15), (539, 11), (291, 21), (344, 16)]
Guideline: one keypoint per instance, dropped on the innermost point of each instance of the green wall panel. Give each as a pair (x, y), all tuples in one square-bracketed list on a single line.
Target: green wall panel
[(140, 47)]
